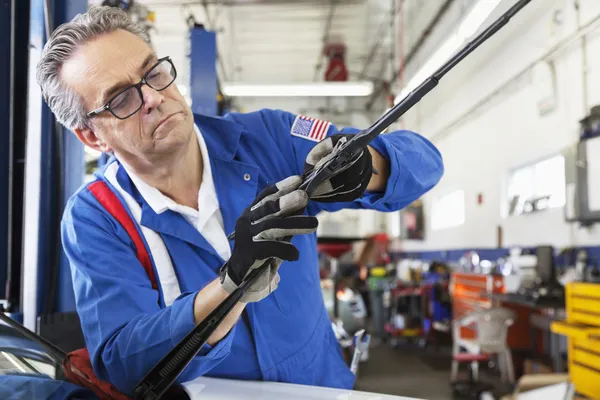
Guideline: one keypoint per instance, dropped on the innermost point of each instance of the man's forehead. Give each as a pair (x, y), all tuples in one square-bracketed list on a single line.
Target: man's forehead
[(106, 60)]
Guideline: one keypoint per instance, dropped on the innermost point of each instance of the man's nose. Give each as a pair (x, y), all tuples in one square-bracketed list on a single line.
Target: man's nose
[(152, 98)]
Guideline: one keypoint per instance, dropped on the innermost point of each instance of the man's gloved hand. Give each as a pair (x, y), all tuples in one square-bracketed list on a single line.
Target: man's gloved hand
[(259, 234), (347, 185)]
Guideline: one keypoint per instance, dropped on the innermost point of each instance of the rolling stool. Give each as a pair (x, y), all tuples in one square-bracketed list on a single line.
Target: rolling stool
[(471, 388)]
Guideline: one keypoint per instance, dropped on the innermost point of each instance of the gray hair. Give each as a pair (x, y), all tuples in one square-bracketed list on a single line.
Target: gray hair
[(67, 105)]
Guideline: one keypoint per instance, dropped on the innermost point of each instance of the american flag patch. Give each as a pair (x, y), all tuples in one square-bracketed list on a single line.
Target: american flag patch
[(310, 128)]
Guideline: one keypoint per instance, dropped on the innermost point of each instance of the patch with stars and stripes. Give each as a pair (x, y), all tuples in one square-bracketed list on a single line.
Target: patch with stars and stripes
[(310, 128)]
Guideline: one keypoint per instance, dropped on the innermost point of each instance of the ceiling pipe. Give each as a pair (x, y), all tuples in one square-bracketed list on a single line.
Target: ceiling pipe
[(384, 30), (212, 25), (326, 33), (400, 41), (413, 51)]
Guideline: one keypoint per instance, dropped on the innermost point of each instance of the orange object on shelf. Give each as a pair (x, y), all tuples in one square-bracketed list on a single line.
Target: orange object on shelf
[(470, 293)]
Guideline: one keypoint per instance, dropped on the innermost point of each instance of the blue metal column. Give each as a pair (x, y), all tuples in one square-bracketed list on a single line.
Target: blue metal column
[(15, 135), (34, 219), (73, 170), (55, 169), (203, 71), (5, 17)]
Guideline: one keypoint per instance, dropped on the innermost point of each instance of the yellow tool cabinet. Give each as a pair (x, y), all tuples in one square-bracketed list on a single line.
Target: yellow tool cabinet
[(582, 327)]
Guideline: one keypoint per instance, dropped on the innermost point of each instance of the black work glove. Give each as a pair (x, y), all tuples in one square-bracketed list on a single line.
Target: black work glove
[(259, 234), (347, 185)]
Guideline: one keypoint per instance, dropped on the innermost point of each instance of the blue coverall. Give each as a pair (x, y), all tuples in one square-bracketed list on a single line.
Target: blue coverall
[(285, 337)]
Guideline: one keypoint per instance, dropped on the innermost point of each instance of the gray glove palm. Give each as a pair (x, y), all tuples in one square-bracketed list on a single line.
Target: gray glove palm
[(260, 233)]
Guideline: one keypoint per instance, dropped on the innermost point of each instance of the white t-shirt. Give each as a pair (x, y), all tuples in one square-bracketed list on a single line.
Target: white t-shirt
[(207, 219)]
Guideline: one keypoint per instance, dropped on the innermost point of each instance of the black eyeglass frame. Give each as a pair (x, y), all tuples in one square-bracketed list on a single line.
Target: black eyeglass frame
[(138, 86)]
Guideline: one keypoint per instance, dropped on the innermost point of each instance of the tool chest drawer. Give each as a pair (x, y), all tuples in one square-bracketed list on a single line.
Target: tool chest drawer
[(582, 328)]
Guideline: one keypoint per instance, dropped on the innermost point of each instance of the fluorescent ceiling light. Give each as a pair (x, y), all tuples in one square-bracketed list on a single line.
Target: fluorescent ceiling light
[(469, 25), (321, 89), (476, 17)]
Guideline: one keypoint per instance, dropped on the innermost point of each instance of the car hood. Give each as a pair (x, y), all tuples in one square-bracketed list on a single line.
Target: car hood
[(204, 388)]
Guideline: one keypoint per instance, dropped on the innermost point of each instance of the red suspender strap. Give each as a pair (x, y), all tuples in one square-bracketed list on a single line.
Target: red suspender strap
[(113, 205)]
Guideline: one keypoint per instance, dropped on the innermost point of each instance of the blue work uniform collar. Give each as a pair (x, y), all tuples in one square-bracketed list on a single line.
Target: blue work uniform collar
[(234, 190), (221, 136), (235, 176)]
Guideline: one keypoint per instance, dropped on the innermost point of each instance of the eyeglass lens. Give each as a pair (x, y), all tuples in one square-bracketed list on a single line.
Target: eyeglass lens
[(129, 101)]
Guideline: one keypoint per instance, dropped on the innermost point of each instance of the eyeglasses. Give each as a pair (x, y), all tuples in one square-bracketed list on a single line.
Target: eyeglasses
[(129, 100)]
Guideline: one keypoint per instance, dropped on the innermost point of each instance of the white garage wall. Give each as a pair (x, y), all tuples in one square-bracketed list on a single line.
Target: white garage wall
[(479, 148)]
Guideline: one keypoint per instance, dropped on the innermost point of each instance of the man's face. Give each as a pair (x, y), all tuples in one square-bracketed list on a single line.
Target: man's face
[(99, 70)]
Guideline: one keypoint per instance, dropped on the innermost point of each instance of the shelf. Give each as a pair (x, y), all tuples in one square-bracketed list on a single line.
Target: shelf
[(575, 330)]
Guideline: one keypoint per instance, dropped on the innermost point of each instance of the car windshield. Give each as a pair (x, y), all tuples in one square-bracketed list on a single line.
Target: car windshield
[(22, 356)]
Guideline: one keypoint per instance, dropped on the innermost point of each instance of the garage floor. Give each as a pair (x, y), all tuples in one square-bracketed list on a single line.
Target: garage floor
[(406, 371), (414, 372)]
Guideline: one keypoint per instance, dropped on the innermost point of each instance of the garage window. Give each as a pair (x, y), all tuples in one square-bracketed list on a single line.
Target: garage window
[(448, 210), (537, 187)]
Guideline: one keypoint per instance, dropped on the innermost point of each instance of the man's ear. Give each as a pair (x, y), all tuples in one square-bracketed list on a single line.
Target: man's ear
[(90, 139)]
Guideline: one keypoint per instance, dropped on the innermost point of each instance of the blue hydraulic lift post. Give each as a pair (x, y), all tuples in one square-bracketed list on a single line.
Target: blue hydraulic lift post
[(203, 71), (73, 166), (5, 17), (18, 56), (35, 172), (42, 169)]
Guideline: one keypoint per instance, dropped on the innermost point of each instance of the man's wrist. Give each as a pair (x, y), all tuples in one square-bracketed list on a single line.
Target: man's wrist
[(378, 182), (207, 299)]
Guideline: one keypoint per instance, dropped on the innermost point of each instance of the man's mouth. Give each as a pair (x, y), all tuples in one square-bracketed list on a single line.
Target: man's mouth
[(165, 120)]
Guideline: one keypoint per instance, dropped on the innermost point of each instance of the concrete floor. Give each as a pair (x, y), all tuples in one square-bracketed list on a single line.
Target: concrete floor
[(406, 371), (413, 372)]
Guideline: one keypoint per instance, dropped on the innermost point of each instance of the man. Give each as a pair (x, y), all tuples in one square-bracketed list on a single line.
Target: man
[(190, 180)]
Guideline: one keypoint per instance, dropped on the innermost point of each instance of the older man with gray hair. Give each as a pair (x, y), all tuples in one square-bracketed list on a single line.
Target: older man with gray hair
[(187, 180)]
